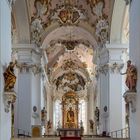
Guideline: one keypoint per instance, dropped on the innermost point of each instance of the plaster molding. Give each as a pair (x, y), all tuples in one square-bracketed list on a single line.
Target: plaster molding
[(128, 2), (102, 69), (9, 98), (27, 53), (34, 68), (116, 67), (11, 2), (130, 97)]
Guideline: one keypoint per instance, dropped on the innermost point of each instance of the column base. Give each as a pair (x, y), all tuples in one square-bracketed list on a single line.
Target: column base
[(130, 97)]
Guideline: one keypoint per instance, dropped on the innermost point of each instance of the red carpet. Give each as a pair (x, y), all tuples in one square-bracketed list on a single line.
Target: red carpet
[(70, 138)]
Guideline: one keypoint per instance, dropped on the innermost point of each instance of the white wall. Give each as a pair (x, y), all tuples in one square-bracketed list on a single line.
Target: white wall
[(5, 58), (117, 21)]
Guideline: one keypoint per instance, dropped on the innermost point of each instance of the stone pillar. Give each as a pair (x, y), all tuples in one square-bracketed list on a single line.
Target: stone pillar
[(116, 101), (103, 81), (29, 89), (5, 58), (134, 57), (111, 91)]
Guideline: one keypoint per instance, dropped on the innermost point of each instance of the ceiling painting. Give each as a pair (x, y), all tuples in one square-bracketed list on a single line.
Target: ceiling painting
[(68, 33)]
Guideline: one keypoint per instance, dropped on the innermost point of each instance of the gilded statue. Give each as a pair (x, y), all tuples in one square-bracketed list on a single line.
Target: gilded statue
[(9, 77), (131, 76), (70, 115)]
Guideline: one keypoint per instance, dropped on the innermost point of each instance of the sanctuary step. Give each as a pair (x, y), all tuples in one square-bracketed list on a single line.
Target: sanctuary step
[(70, 138), (57, 138)]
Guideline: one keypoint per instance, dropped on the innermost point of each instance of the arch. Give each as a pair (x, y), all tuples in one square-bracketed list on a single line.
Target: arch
[(81, 72), (117, 17), (88, 33), (20, 12)]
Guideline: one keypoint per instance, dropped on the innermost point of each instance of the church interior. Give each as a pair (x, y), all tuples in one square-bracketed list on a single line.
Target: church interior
[(69, 70)]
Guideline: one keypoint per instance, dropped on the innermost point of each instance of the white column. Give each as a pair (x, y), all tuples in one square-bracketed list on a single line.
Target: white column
[(104, 102), (36, 98), (104, 89), (29, 88), (5, 58), (134, 56), (90, 104), (116, 101), (111, 93)]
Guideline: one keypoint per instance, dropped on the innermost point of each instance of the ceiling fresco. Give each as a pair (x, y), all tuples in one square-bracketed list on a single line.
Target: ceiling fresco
[(93, 13), (68, 32), (70, 82)]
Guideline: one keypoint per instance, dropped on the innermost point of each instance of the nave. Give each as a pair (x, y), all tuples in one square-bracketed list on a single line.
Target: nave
[(69, 68)]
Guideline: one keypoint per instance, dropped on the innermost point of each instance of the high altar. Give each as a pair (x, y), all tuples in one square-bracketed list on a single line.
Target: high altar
[(70, 115)]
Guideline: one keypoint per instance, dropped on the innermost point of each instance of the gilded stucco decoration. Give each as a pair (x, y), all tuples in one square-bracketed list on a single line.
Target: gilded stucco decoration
[(97, 7), (70, 82), (102, 23), (36, 27), (69, 64), (40, 11), (92, 12), (102, 27), (41, 7), (11, 2)]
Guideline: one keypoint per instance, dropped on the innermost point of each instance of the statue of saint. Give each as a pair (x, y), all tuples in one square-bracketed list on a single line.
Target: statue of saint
[(131, 76), (43, 116), (9, 77), (70, 115), (97, 114)]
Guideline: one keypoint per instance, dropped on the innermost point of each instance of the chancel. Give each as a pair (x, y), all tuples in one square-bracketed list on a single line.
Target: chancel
[(69, 69)]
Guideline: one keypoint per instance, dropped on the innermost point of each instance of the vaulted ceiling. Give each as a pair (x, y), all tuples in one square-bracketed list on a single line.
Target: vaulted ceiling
[(68, 31)]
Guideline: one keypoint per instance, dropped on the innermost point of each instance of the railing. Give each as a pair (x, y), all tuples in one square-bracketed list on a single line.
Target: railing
[(20, 133), (122, 133)]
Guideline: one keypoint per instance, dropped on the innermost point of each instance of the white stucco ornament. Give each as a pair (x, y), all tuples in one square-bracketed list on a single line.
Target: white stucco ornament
[(102, 27), (130, 97), (11, 2), (128, 1), (9, 98)]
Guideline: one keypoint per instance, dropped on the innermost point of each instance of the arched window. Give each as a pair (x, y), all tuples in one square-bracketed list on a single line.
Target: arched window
[(57, 114), (82, 114)]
